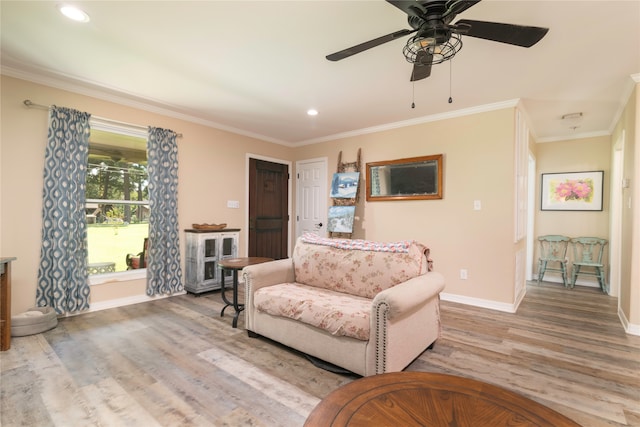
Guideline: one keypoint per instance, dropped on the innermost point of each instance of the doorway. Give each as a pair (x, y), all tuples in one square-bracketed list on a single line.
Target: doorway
[(269, 208), (531, 211), (311, 197), (615, 220)]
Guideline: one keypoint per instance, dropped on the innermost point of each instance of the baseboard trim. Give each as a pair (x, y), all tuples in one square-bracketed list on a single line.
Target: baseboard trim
[(479, 302), (122, 302), (629, 328), (553, 278), (519, 298)]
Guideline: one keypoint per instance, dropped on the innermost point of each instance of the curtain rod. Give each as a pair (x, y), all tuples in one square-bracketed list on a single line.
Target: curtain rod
[(31, 104)]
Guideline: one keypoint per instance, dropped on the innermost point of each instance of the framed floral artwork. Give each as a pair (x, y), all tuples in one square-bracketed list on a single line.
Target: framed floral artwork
[(572, 191)]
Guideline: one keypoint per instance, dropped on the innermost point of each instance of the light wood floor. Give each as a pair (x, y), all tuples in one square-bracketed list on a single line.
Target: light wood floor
[(175, 362)]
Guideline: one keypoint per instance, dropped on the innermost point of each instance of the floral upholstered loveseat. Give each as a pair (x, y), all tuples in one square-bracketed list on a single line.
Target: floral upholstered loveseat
[(367, 307)]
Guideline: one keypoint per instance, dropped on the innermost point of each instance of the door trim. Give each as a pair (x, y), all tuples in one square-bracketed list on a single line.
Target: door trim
[(616, 208), (246, 198), (531, 212)]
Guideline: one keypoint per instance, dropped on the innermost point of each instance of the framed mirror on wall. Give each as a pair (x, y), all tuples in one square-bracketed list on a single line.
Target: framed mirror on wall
[(415, 178)]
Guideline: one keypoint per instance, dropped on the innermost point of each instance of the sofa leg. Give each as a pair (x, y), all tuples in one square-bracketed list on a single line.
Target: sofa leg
[(431, 346), (252, 334)]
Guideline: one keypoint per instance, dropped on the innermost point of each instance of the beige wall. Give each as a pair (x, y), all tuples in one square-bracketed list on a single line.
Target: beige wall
[(212, 171), (633, 313), (587, 154), (478, 165), (597, 154), (629, 297)]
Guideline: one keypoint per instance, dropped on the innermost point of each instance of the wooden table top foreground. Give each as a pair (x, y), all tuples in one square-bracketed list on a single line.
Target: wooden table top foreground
[(429, 399)]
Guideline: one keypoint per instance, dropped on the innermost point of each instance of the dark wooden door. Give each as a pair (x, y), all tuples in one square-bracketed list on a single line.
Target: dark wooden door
[(268, 209)]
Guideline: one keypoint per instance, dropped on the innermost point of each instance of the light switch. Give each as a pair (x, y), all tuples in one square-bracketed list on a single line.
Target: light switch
[(235, 204), (477, 205)]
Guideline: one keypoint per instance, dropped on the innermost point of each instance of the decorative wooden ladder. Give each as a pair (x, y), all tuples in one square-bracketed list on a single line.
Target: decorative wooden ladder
[(347, 167)]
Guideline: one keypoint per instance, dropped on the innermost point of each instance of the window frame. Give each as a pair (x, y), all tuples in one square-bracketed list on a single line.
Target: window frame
[(127, 130)]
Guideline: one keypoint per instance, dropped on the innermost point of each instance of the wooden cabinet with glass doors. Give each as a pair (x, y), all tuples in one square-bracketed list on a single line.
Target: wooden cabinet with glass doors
[(204, 250)]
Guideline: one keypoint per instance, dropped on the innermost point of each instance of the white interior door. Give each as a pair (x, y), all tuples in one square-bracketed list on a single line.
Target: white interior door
[(311, 200)]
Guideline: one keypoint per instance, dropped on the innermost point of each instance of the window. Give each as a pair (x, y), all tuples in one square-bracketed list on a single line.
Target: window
[(117, 202)]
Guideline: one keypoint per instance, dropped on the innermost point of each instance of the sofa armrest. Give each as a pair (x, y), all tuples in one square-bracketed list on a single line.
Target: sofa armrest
[(268, 273), (406, 297), (397, 314), (259, 276)]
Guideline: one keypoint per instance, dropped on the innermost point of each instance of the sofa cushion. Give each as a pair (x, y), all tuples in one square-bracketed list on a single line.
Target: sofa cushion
[(357, 267), (337, 313)]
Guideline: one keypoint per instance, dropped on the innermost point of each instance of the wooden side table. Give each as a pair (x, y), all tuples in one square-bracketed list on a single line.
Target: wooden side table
[(235, 265), (5, 303), (430, 399)]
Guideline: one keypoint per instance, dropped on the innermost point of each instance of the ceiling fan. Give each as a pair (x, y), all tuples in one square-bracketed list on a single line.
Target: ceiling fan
[(437, 40)]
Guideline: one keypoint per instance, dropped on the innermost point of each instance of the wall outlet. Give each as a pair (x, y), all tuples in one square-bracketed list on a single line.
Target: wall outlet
[(235, 204), (463, 274), (477, 205)]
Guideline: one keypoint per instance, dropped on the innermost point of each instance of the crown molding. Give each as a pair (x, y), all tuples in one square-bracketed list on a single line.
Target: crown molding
[(412, 122), (624, 100), (574, 136), (626, 95), (94, 90)]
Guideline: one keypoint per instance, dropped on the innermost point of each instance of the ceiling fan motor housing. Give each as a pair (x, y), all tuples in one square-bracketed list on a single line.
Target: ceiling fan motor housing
[(433, 34), (436, 39)]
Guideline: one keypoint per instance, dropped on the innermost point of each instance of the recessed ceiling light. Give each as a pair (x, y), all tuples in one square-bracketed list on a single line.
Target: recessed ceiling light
[(312, 112), (73, 13)]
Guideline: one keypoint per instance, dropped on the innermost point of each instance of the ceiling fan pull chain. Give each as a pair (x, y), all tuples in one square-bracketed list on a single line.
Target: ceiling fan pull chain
[(413, 94), (450, 73)]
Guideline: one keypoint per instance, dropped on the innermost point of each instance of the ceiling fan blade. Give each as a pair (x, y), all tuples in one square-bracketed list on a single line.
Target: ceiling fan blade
[(518, 35), (367, 45), (455, 7), (422, 66)]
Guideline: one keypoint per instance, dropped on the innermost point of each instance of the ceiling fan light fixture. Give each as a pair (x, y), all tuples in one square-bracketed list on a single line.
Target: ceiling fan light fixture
[(424, 42), (440, 52), (573, 120)]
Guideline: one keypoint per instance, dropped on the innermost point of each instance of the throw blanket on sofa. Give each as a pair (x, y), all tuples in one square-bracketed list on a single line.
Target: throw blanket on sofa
[(362, 245), (402, 246)]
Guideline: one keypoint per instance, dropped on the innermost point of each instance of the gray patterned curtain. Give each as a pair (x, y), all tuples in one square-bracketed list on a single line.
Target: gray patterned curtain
[(62, 274), (164, 274)]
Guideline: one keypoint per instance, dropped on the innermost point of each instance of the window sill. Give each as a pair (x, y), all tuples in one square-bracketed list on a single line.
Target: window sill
[(121, 276)]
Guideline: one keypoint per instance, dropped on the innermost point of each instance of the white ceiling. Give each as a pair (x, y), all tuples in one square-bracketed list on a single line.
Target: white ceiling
[(256, 67)]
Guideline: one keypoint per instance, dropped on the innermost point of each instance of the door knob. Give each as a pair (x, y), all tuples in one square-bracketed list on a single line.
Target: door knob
[(319, 225)]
